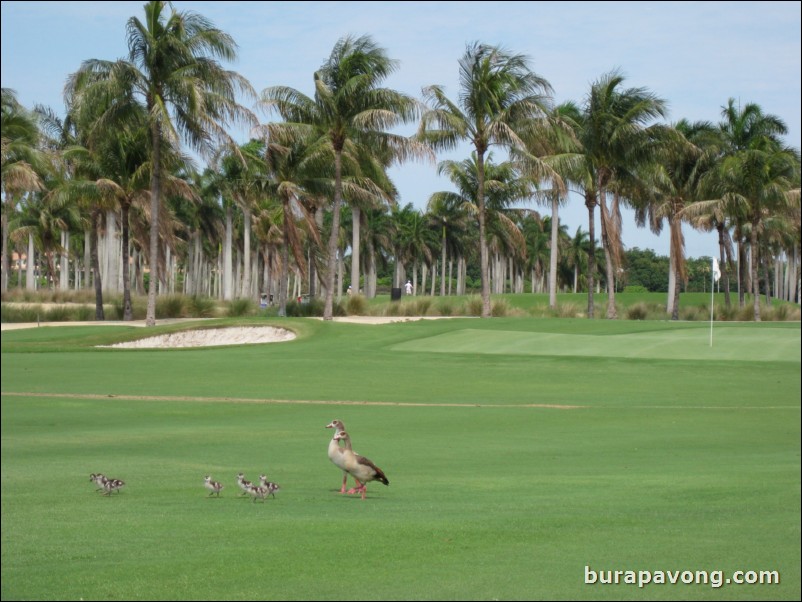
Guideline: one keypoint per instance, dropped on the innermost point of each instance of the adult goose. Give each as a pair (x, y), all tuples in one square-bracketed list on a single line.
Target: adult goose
[(363, 470), (337, 453)]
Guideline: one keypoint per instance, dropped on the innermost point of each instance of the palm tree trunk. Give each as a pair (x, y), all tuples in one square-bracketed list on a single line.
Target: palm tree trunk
[(555, 231), (443, 263), (155, 202), (590, 203), (99, 314), (370, 272), (355, 243), (87, 258), (246, 268), (672, 281), (285, 260), (30, 272), (112, 253), (722, 246), (6, 258), (484, 264), (754, 268), (64, 262), (450, 273), (607, 241), (460, 280), (741, 271), (228, 257), (328, 309), (128, 312)]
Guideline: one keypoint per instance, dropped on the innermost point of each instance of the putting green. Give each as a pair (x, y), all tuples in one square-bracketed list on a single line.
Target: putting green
[(729, 344)]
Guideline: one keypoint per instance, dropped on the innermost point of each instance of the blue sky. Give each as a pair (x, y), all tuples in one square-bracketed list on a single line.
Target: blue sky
[(695, 55)]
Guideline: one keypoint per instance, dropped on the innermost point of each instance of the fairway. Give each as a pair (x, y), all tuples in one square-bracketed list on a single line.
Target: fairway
[(513, 468), (729, 344)]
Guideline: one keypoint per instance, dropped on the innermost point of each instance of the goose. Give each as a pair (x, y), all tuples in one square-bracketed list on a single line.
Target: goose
[(263, 490), (243, 484), (98, 479), (363, 470), (270, 485), (336, 452), (110, 485), (212, 486)]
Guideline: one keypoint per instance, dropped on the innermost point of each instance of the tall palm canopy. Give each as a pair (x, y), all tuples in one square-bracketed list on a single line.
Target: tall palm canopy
[(499, 98), (757, 174), (172, 69), (349, 112)]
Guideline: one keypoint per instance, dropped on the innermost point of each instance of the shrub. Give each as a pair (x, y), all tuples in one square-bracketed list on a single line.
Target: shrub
[(422, 305), (697, 313), (473, 306), (724, 313), (24, 313), (746, 313), (781, 313), (566, 310), (84, 313), (59, 313), (499, 308), (202, 307), (170, 306), (356, 305), (639, 311), (445, 308), (635, 288), (240, 307), (117, 309)]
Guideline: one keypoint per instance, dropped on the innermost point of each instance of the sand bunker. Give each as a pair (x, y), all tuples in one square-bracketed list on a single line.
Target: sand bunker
[(211, 337)]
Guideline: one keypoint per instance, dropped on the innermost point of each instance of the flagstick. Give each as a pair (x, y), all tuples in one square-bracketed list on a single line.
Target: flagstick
[(712, 290)]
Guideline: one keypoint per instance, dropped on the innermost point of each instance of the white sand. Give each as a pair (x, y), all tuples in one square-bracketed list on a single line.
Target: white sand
[(211, 337), (250, 335)]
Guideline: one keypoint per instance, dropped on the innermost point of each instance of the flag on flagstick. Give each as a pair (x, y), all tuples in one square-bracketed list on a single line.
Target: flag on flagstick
[(716, 270)]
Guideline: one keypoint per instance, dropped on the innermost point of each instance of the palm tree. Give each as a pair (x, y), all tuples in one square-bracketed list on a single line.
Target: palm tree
[(544, 142), (757, 174), (675, 182), (294, 182), (709, 219), (349, 111), (535, 231), (413, 241), (375, 190), (378, 245), (503, 189), (20, 161), (577, 249), (43, 217), (172, 69), (576, 167), (447, 212), (616, 141), (499, 96), (240, 175)]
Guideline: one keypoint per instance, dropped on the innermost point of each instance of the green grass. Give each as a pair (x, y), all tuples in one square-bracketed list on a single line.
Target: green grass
[(676, 460)]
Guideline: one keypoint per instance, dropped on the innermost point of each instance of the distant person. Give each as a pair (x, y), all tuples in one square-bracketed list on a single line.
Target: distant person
[(350, 290), (263, 302), (408, 288)]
